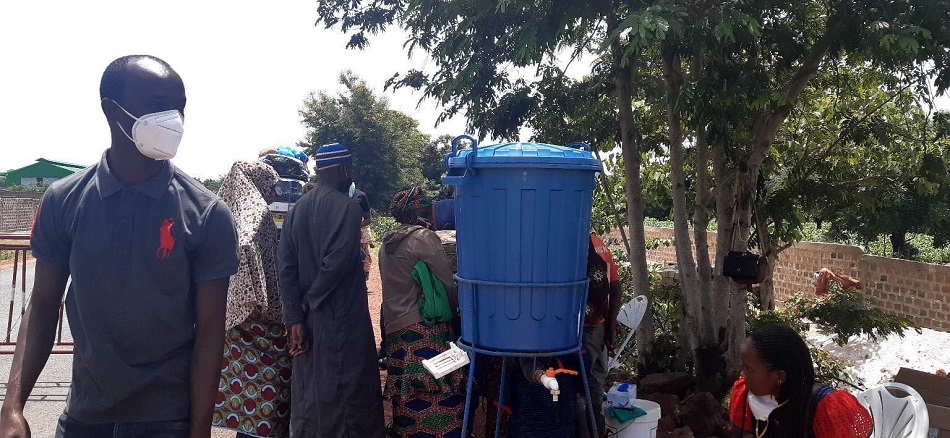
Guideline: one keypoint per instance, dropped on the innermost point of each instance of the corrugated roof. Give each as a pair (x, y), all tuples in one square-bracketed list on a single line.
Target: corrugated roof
[(63, 164)]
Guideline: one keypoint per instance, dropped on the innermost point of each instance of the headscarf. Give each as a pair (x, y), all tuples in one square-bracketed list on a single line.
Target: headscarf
[(254, 286), (409, 198), (330, 155)]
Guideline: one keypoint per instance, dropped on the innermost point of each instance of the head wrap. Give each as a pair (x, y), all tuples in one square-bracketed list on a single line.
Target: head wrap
[(408, 198), (330, 155)]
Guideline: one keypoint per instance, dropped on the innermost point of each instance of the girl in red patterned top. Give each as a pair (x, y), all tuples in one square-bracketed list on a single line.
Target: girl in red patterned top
[(776, 395)]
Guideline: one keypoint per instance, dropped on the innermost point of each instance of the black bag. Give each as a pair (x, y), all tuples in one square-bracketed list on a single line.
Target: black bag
[(741, 266), (745, 267), (288, 167)]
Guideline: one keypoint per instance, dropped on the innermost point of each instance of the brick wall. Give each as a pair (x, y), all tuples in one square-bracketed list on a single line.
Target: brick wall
[(796, 267), (919, 291), (16, 214), (667, 254)]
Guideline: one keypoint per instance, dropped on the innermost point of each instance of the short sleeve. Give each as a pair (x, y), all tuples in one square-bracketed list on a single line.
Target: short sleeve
[(840, 415), (739, 413), (217, 255), (50, 241), (604, 252)]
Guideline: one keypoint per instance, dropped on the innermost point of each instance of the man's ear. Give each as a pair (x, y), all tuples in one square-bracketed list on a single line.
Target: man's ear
[(109, 108)]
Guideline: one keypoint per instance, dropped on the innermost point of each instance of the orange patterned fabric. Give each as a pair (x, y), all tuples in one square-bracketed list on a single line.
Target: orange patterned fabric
[(408, 198), (254, 387), (601, 276)]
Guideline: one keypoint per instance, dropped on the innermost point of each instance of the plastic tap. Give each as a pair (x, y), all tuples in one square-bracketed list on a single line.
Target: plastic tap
[(548, 380), (551, 384)]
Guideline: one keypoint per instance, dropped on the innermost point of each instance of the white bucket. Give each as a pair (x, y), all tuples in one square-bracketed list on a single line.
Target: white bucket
[(642, 427)]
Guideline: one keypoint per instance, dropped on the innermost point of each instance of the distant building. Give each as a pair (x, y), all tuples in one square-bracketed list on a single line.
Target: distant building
[(42, 171)]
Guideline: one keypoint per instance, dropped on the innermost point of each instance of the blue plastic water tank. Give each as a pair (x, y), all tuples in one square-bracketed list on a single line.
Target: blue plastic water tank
[(523, 222)]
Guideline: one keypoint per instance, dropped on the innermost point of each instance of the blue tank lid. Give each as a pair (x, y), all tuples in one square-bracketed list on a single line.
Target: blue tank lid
[(576, 156)]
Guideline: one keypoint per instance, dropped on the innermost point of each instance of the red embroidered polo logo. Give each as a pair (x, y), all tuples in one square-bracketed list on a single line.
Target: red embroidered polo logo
[(167, 242)]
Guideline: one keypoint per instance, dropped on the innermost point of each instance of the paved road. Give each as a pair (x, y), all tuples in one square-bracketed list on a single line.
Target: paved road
[(48, 399)]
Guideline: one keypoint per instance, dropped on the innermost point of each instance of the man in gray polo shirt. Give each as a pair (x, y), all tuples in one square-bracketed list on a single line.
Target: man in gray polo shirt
[(150, 252)]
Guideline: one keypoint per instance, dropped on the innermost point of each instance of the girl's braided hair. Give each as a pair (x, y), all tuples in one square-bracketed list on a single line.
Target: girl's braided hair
[(780, 347)]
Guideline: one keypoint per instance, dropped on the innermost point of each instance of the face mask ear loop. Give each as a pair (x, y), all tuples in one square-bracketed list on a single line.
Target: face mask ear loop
[(124, 110), (126, 133), (119, 125)]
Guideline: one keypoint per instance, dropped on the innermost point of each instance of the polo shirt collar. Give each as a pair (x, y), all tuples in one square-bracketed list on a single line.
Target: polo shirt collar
[(155, 187)]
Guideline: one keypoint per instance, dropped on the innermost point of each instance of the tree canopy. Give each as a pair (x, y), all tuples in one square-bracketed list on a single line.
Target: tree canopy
[(715, 90), (386, 144)]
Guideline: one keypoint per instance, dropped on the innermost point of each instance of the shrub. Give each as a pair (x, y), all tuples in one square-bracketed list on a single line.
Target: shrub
[(381, 224), (843, 314), (848, 313), (666, 307)]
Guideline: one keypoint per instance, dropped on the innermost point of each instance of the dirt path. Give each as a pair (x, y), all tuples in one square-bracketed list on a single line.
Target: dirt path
[(375, 298), (7, 265)]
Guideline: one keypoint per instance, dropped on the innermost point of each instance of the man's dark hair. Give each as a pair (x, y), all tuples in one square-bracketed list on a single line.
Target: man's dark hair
[(782, 348), (113, 79)]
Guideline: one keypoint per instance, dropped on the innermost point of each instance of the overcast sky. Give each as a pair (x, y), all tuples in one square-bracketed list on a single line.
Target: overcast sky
[(247, 67)]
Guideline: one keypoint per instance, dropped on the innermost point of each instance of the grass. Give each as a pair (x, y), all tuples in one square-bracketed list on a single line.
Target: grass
[(881, 246)]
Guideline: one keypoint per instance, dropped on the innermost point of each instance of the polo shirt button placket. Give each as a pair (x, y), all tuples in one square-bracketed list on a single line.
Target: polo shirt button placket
[(123, 235)]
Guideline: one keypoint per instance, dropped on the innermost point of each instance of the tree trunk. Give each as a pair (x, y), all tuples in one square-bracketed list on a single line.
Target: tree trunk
[(638, 253), (701, 204), (767, 287), (632, 162), (686, 265), (734, 214), (716, 351), (701, 210), (899, 246), (768, 250)]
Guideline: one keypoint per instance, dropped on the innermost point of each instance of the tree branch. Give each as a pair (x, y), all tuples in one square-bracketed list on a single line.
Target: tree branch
[(613, 206), (772, 121), (825, 151)]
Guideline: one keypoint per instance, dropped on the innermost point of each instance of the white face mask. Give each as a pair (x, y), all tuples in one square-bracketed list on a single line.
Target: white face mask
[(762, 405), (156, 135)]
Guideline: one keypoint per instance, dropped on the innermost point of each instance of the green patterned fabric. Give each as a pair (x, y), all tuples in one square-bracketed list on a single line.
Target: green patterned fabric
[(423, 406)]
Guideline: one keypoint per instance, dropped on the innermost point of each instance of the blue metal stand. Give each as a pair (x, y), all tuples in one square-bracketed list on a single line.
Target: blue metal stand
[(473, 352)]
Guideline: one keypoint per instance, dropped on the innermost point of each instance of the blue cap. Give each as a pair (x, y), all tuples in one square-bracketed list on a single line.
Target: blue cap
[(332, 154)]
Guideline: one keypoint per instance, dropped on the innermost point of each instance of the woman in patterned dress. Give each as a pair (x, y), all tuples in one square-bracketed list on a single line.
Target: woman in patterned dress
[(254, 389), (423, 406)]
